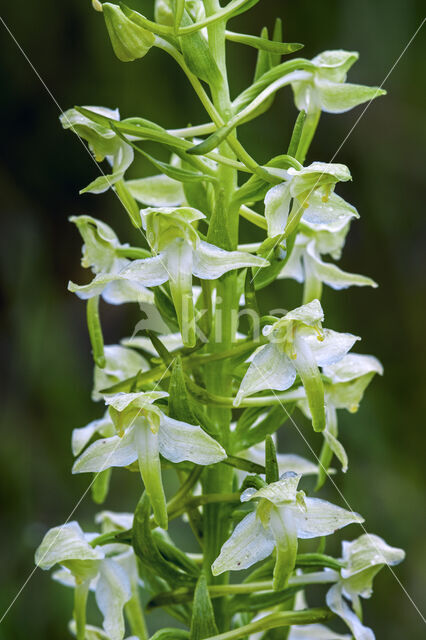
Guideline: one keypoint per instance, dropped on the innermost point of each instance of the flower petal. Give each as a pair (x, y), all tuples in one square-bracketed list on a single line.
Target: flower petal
[(63, 545), (148, 272), (112, 592), (270, 369), (277, 206), (352, 366), (306, 366), (332, 215), (180, 441), (280, 492), (248, 544), (323, 518), (338, 98), (331, 348), (179, 258), (210, 262), (80, 437), (366, 551), (339, 606), (332, 275), (123, 291), (106, 453), (121, 363)]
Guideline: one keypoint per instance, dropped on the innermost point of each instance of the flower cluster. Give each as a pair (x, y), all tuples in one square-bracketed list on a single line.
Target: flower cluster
[(199, 392)]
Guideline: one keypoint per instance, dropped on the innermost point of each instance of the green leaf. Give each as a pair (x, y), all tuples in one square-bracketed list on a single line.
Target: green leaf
[(197, 54), (174, 555), (203, 624), (100, 486), (129, 203), (297, 134), (147, 550), (263, 62), (271, 464), (179, 400), (213, 141), (244, 465), (281, 48), (95, 331)]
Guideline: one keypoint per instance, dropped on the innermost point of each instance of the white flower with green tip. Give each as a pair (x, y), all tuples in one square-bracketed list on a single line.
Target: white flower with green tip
[(297, 345), (121, 363), (309, 187), (100, 255), (323, 229), (143, 432), (179, 254), (103, 143), (311, 631), (283, 514), (82, 564), (363, 558), (326, 89)]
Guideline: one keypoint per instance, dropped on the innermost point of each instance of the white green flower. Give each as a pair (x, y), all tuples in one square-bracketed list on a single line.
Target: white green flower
[(82, 566), (311, 631), (99, 253), (297, 345), (180, 253), (307, 188), (143, 432), (121, 363), (363, 558), (103, 143), (326, 89), (323, 229), (283, 514)]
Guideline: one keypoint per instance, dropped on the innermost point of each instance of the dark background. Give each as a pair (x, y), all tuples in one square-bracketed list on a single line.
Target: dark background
[(45, 353)]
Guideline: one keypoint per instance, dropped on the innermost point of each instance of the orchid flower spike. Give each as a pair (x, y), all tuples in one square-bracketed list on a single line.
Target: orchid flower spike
[(308, 188), (297, 345), (363, 558), (326, 89), (142, 432), (179, 254), (99, 253), (283, 514), (322, 230), (103, 143), (84, 565)]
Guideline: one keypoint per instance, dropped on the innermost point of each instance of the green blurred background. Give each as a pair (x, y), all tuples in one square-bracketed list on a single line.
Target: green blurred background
[(45, 352)]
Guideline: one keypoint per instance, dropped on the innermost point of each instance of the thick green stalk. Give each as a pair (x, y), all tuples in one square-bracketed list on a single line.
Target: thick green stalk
[(136, 618), (223, 231)]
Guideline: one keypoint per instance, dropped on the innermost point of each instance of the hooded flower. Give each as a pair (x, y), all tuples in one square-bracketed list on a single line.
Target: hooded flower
[(326, 89), (363, 558), (85, 566), (297, 345), (142, 432), (179, 254), (282, 515), (309, 188), (103, 143), (99, 253), (323, 229)]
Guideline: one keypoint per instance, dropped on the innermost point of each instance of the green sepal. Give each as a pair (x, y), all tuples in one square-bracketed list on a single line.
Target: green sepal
[(277, 36), (263, 44), (129, 40), (100, 486), (179, 400), (129, 203), (244, 465), (203, 624), (95, 332), (271, 464), (147, 550), (213, 141), (197, 54), (159, 347), (297, 134)]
